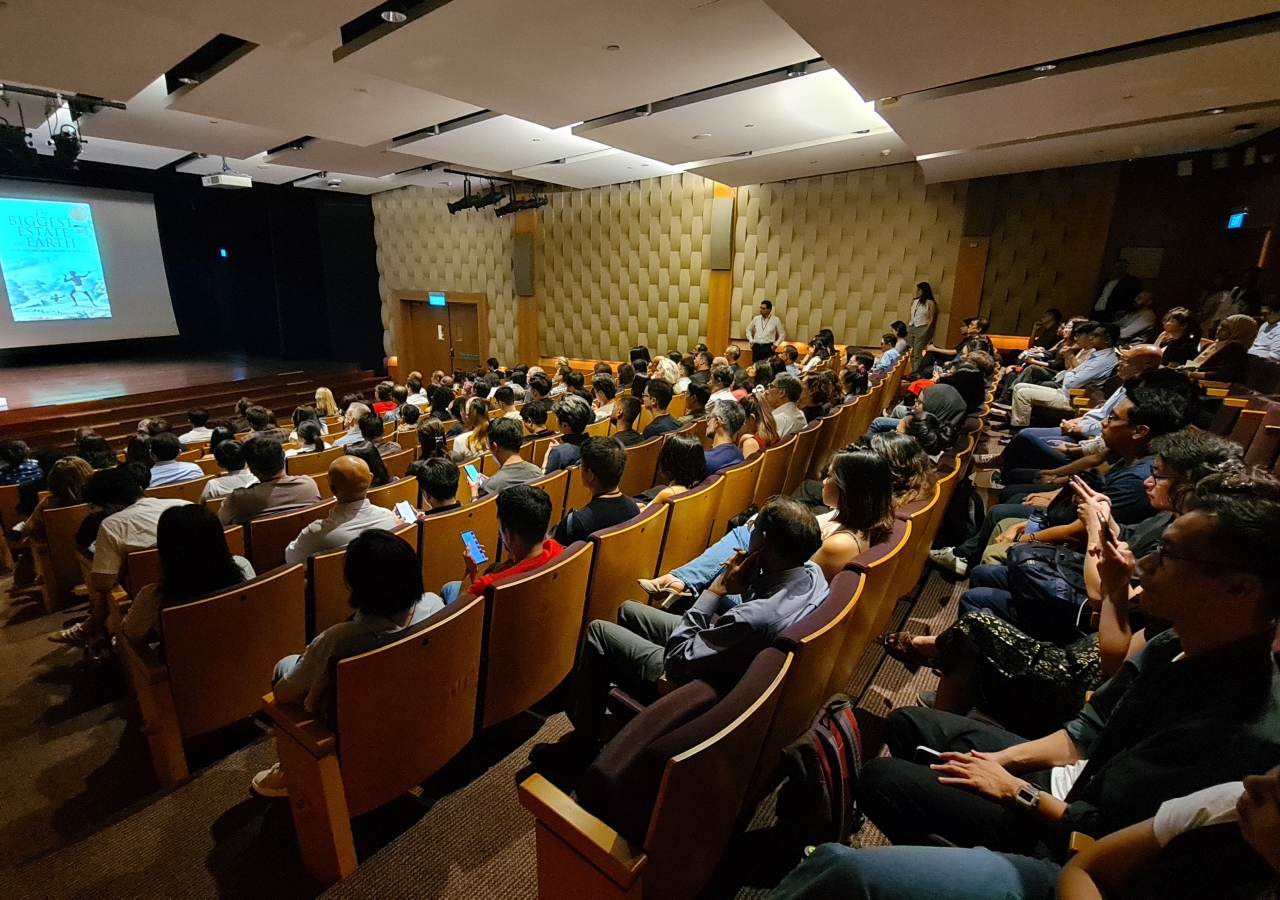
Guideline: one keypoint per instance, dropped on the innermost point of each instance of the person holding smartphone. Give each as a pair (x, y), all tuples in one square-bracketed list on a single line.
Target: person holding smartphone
[(524, 514)]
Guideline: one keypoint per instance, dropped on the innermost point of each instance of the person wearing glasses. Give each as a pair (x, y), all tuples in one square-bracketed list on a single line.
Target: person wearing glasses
[(1092, 372)]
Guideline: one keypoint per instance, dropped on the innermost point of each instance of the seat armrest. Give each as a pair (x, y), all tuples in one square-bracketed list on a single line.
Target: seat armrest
[(302, 726), (1077, 842), (591, 838)]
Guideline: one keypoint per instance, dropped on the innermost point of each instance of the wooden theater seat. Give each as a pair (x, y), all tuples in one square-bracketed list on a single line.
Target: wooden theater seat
[(577, 494), (219, 655), (802, 452), (183, 490), (532, 623), (405, 707), (327, 591), (555, 484), (824, 446), (387, 496), (142, 567), (642, 467), (269, 537), (56, 560), (398, 463), (738, 493), (773, 470), (623, 554), (689, 525), (311, 463), (442, 547)]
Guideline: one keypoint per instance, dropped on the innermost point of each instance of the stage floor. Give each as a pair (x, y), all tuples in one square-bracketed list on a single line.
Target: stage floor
[(24, 387)]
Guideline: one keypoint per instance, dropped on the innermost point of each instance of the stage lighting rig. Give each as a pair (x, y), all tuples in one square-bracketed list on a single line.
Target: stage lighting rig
[(67, 146), (494, 196), (467, 201), (515, 206)]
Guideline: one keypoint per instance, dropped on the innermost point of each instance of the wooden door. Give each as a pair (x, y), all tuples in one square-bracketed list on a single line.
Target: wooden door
[(464, 327), (429, 326)]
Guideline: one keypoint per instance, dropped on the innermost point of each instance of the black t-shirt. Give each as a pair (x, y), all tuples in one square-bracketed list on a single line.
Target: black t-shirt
[(600, 513), (660, 425), (629, 438)]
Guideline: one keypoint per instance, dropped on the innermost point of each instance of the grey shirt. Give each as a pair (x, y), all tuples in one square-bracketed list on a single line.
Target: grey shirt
[(288, 493), (513, 473)]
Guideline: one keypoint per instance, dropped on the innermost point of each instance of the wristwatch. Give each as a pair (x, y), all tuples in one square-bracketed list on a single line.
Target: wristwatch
[(1028, 797)]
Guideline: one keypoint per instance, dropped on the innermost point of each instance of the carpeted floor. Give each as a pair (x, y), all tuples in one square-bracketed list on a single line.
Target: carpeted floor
[(81, 814)]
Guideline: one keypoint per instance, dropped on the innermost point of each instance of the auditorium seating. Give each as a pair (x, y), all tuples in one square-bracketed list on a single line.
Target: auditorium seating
[(327, 591), (268, 537), (56, 561), (642, 467), (312, 463), (442, 547), (689, 525), (737, 494), (182, 490), (142, 567), (773, 469), (623, 554), (798, 463)]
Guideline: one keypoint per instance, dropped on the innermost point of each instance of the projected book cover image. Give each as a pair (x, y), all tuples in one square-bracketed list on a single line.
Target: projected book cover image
[(50, 262)]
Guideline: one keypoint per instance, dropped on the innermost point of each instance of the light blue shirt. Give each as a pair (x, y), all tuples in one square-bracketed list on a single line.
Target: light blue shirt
[(1092, 372), (174, 472), (887, 360), (1091, 426)]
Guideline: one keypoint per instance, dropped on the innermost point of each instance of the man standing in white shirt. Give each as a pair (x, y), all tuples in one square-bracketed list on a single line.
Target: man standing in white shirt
[(765, 333), (199, 419), (782, 395), (1267, 343), (349, 478)]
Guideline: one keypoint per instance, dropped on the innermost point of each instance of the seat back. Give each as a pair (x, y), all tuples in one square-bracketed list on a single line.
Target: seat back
[(873, 609), (9, 515), (642, 467), (849, 415), (183, 490), (599, 429), (798, 464), (1248, 422), (738, 493), (623, 554), (310, 463), (773, 470), (536, 450), (269, 537), (678, 405), (442, 547), (689, 524), (825, 443), (209, 465), (387, 496), (142, 567), (911, 566), (327, 591), (532, 623), (577, 495), (60, 527), (556, 486), (407, 708), (398, 463), (222, 650), (322, 484), (1265, 446)]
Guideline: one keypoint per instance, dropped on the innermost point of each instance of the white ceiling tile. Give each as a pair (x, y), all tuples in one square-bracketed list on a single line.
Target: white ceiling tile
[(256, 168), (332, 156), (500, 144), (791, 111), (347, 184), (602, 167), (839, 155), (434, 179), (547, 62), (123, 153)]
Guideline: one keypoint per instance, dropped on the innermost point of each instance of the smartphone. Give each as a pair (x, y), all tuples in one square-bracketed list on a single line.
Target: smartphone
[(406, 512), (474, 550), (472, 473), (927, 756)]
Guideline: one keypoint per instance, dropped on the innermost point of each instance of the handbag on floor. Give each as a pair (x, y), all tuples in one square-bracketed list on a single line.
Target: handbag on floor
[(817, 802)]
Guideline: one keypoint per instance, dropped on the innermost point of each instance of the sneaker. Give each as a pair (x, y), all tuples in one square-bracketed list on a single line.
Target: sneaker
[(986, 459), (927, 699), (270, 783), (77, 636), (947, 559)]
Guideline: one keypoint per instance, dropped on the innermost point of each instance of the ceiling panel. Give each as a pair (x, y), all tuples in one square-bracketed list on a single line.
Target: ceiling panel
[(256, 168), (791, 111), (500, 144), (287, 24), (149, 120), (435, 180), (889, 49), (1226, 74), (305, 93), (330, 156), (547, 62), (1153, 139), (602, 167), (123, 153), (841, 155), (349, 184), (90, 46)]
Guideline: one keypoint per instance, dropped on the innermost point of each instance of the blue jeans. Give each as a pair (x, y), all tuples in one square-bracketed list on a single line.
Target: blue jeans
[(989, 590), (449, 593), (881, 424), (1029, 449), (971, 550), (698, 573), (836, 872)]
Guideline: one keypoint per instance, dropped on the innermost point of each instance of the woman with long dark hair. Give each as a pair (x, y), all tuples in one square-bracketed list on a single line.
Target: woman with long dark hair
[(369, 453), (682, 465), (432, 443), (924, 310)]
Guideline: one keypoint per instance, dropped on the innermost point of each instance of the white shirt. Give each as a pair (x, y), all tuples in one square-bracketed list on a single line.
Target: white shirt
[(681, 385), (725, 394), (340, 528), (789, 419), (196, 435), (1135, 323), (223, 485), (765, 331), (1267, 343), (174, 472), (130, 530), (418, 400), (604, 412), (919, 313), (1106, 294), (1211, 806)]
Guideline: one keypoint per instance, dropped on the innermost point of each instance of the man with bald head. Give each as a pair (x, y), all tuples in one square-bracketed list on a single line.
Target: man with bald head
[(1049, 448), (349, 478)]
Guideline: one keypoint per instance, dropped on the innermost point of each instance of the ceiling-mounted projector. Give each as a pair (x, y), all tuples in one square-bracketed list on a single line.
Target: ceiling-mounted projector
[(228, 180)]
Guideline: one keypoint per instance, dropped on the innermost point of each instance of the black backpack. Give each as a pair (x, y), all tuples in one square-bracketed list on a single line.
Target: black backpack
[(963, 516), (817, 803)]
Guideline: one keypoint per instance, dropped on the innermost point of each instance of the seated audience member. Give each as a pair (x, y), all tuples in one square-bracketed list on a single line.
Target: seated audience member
[(524, 515), (230, 456), (351, 422), (474, 439), (1048, 448), (138, 450), (626, 374), (899, 328), (914, 476), (657, 397), (782, 394), (16, 464), (349, 478), (686, 374), (973, 336), (505, 397), (373, 459), (1091, 373), (239, 424), (759, 430), (505, 439), (304, 414), (1159, 402), (761, 373), (410, 415), (539, 386), (415, 394), (431, 440), (942, 400), (441, 399), (721, 384), (855, 384), (626, 409), (889, 354), (638, 384), (325, 404), (603, 462), (819, 393), (438, 481), (95, 450), (970, 380), (733, 353), (724, 421), (385, 401), (261, 424), (1227, 358), (165, 468), (701, 367), (194, 562), (385, 579), (1267, 343), (65, 484), (790, 360), (1138, 326), (573, 415), (128, 524), (927, 431), (682, 464), (312, 441), (274, 494), (1177, 343), (715, 640), (533, 416), (400, 396), (695, 404), (199, 418), (604, 391), (1044, 333), (152, 427), (371, 429), (1196, 707)]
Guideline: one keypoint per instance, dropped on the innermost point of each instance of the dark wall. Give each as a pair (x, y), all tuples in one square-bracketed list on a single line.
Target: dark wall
[(299, 279)]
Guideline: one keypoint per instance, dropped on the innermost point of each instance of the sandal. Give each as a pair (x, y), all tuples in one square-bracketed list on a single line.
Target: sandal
[(899, 646)]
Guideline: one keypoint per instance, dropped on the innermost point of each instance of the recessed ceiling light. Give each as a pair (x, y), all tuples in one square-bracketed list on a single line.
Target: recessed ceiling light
[(699, 137), (612, 48), (537, 140), (395, 16), (863, 131), (1045, 67), (187, 79), (885, 152), (1216, 111), (748, 126), (1245, 126)]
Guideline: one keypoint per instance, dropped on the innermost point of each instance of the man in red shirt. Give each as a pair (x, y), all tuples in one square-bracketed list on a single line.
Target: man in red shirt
[(524, 514)]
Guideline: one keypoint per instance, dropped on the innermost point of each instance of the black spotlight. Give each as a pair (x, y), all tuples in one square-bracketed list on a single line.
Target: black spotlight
[(66, 146), (495, 195), (15, 144), (467, 201), (515, 206)]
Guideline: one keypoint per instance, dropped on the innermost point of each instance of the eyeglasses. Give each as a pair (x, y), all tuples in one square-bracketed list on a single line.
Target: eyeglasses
[(1154, 477), (1114, 419), (1161, 553)]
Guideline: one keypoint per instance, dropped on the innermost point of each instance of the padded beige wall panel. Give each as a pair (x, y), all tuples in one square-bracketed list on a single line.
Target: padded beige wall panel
[(421, 247)]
